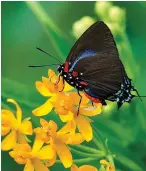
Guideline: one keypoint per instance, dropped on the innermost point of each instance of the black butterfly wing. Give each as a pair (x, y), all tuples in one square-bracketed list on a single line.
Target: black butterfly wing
[(96, 56), (88, 40)]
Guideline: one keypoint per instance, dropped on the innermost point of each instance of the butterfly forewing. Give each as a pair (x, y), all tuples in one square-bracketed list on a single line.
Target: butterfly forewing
[(95, 55)]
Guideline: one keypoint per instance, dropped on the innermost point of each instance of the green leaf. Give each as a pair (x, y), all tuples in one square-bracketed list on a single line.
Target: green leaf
[(128, 163)]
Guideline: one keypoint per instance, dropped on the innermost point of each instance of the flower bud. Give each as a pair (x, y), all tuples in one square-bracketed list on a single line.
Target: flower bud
[(102, 9), (115, 28), (117, 14), (80, 26)]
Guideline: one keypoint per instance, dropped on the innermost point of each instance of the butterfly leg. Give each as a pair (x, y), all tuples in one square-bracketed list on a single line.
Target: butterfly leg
[(58, 80), (92, 103), (79, 103), (63, 86)]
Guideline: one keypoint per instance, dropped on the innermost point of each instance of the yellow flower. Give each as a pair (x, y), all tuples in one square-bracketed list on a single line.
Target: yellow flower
[(65, 102), (66, 105), (49, 88), (14, 125), (34, 158), (83, 168), (109, 167), (58, 140), (81, 121)]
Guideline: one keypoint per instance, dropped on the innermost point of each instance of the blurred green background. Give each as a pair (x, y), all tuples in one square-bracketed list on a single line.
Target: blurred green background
[(24, 29)]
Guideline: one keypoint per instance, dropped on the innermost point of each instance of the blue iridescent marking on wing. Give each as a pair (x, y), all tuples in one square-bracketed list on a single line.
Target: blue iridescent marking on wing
[(85, 54), (88, 91)]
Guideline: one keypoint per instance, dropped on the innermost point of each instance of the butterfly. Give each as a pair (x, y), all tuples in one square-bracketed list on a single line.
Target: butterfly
[(94, 67)]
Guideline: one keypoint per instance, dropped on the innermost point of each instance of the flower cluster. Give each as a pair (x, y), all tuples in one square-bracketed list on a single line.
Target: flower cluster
[(65, 104), (50, 142), (113, 16)]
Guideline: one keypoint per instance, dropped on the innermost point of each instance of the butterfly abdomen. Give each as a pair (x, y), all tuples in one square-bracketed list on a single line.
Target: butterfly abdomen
[(93, 99)]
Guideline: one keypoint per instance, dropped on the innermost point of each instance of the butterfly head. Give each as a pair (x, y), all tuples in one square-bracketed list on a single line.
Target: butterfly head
[(60, 69)]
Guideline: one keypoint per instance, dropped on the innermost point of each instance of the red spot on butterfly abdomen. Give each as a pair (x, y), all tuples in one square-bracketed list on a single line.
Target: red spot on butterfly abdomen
[(83, 83), (74, 73), (93, 99)]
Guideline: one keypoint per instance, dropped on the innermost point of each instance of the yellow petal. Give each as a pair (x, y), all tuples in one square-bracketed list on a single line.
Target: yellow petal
[(26, 127), (109, 167), (75, 139), (44, 109), (51, 73), (12, 154), (46, 153), (8, 118), (42, 89), (84, 127), (53, 125), (88, 168), (18, 112), (85, 100), (42, 134), (37, 145), (9, 141), (44, 123), (53, 78), (45, 81), (67, 87), (28, 166), (51, 162), (104, 162), (5, 130), (21, 138), (37, 130), (70, 127), (22, 147), (21, 153), (63, 153), (91, 111), (39, 166), (76, 98), (74, 168), (67, 117)]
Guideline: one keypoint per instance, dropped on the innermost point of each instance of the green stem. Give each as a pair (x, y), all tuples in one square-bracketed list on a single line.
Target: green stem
[(104, 147), (92, 150), (110, 159), (42, 16), (87, 154), (80, 161), (128, 57), (46, 22), (100, 143)]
